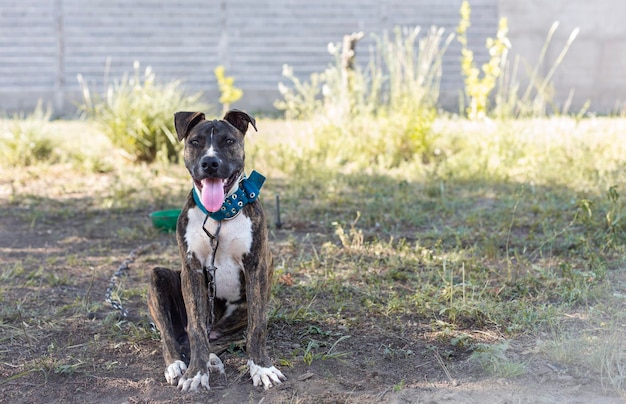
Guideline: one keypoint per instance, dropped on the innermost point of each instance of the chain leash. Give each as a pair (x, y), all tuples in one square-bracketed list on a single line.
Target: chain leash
[(121, 271), (209, 271)]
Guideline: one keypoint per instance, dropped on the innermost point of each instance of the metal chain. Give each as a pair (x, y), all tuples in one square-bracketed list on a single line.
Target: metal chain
[(209, 271), (121, 270)]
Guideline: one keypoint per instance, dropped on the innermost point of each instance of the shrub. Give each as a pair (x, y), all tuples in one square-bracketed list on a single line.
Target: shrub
[(26, 139), (385, 114), (499, 74), (136, 114)]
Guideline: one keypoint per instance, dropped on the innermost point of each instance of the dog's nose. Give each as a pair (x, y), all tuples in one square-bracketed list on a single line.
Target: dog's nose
[(210, 164)]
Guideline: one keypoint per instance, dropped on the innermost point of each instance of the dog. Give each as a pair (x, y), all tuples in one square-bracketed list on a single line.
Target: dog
[(225, 280)]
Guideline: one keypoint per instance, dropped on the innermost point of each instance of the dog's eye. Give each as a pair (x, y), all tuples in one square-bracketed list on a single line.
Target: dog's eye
[(194, 142), (229, 141)]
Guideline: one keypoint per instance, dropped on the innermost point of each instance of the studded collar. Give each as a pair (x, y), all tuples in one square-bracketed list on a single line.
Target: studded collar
[(247, 192)]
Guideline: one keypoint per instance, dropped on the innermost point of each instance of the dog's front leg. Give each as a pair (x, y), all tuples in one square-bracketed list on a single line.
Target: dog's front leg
[(258, 276), (195, 296)]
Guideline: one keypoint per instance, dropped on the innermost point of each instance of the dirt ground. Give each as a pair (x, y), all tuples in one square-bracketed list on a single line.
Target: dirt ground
[(62, 344)]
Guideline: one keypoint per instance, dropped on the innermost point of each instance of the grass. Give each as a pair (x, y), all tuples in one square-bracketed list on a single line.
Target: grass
[(509, 228), (493, 359), (504, 230), (25, 140)]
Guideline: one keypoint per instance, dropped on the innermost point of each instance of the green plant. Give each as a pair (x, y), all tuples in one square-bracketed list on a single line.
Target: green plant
[(615, 216), (604, 220), (501, 74), (399, 386), (228, 92), (311, 354), (384, 117), (26, 139), (302, 100), (136, 114), (478, 90), (493, 359)]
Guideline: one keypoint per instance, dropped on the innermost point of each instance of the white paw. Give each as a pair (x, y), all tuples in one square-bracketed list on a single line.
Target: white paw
[(174, 371), (265, 375), (215, 364), (200, 379)]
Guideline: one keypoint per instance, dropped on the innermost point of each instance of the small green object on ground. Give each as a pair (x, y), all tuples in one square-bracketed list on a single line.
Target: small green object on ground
[(165, 220)]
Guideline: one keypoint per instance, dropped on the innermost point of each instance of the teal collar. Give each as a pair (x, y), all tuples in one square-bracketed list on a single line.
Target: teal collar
[(248, 191)]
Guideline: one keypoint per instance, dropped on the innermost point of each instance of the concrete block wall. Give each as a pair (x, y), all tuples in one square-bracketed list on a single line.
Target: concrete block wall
[(595, 66), (44, 44)]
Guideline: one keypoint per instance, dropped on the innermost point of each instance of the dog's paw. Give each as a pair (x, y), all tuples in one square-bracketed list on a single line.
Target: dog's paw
[(175, 370), (191, 384), (201, 378), (215, 364), (266, 376)]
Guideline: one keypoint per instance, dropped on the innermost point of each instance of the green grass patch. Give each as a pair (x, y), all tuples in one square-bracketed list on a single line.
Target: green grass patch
[(25, 139)]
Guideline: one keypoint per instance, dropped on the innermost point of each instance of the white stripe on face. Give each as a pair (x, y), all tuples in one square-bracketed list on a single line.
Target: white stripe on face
[(211, 151)]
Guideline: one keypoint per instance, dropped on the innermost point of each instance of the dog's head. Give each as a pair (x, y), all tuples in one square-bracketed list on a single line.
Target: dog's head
[(214, 152)]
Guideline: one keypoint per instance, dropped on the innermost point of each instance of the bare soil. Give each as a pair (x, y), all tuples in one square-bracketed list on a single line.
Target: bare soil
[(61, 343)]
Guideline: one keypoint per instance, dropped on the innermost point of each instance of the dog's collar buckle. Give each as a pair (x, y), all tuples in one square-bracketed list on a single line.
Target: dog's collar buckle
[(247, 192)]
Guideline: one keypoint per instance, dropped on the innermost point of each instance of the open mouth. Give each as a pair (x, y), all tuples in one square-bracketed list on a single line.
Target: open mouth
[(213, 190)]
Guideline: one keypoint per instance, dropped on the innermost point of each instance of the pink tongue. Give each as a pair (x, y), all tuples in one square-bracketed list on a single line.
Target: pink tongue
[(212, 194)]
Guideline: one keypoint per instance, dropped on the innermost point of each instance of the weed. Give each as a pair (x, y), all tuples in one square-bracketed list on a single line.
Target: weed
[(15, 271), (615, 217), (492, 358), (135, 113), (311, 353), (111, 365), (399, 386), (386, 115), (228, 92), (26, 139), (302, 313), (605, 220), (308, 354), (501, 75), (68, 369), (478, 90), (302, 100), (390, 352)]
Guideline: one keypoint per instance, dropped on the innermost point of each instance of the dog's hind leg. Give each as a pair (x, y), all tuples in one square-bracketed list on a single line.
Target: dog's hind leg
[(167, 308)]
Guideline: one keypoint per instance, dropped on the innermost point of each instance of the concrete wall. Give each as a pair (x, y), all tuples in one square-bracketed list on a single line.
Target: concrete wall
[(44, 44), (595, 65)]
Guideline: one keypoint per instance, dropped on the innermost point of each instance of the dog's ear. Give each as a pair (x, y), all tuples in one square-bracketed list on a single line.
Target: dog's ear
[(240, 120), (184, 121)]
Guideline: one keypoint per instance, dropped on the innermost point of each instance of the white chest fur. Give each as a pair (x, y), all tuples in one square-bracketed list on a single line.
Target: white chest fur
[(235, 240)]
